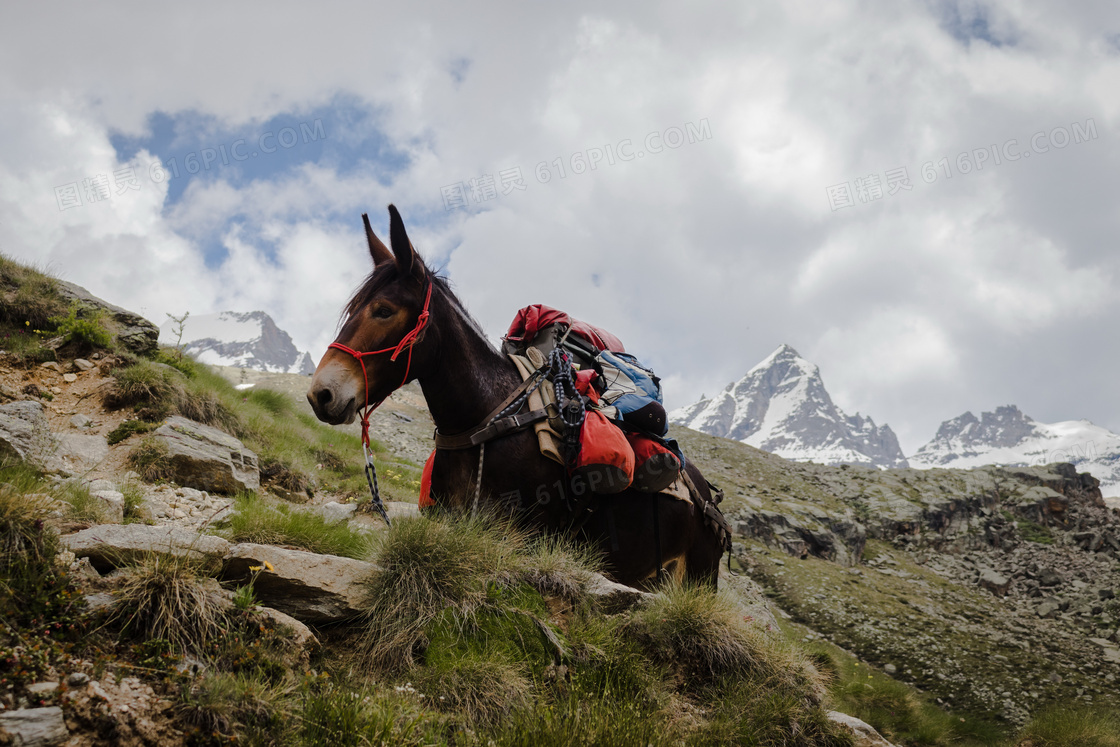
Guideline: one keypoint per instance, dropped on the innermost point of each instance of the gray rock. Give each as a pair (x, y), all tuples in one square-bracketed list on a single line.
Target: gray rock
[(80, 421), (114, 505), (333, 512), (1050, 577), (1047, 609), (52, 366), (77, 679), (95, 485), (865, 734), (890, 669), (299, 635), (34, 727), (208, 459), (25, 433), (69, 378), (42, 688), (994, 582), (133, 331), (82, 364), (612, 597), (114, 545), (310, 587), (76, 453)]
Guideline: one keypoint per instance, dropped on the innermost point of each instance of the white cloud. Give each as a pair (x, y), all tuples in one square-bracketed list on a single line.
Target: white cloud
[(703, 258)]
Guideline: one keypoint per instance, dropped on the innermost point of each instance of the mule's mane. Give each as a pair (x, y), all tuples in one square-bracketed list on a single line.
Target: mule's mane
[(388, 273)]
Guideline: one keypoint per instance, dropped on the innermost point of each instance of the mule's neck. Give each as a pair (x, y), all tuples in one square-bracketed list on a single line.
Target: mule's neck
[(468, 377)]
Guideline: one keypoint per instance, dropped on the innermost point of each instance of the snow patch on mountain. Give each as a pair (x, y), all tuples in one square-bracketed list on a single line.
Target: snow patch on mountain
[(1007, 436), (245, 340), (781, 406)]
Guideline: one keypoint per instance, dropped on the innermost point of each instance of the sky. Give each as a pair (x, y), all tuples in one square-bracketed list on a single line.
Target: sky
[(919, 197)]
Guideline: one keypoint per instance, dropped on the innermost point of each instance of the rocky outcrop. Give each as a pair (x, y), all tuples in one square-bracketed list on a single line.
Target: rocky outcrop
[(205, 458), (110, 546), (133, 331), (809, 531), (310, 587), (33, 727), (24, 433)]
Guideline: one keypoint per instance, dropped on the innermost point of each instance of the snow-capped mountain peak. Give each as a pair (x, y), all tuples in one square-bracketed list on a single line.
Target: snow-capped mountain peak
[(246, 340), (1007, 436), (781, 406)]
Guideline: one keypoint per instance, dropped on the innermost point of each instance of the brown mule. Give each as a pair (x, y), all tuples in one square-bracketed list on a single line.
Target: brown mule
[(404, 323)]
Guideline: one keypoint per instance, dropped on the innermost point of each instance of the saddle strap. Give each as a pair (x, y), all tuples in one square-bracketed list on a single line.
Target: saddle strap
[(484, 433)]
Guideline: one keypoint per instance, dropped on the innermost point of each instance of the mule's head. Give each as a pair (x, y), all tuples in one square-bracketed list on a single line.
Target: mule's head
[(380, 315)]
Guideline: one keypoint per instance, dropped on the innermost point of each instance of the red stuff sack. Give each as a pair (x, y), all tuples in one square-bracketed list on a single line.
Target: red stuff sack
[(606, 461), (656, 468)]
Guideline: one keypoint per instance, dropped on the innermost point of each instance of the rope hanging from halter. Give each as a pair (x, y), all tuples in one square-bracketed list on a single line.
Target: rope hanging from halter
[(407, 342)]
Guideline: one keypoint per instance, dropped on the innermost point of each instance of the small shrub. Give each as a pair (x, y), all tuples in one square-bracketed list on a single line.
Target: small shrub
[(128, 428), (144, 384), (1034, 532), (28, 298), (134, 510), (83, 329), (149, 459)]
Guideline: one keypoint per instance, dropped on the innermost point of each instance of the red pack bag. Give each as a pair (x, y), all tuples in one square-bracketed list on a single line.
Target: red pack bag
[(655, 466), (606, 461), (426, 482)]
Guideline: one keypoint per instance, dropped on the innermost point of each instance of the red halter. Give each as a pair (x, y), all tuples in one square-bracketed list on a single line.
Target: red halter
[(406, 343)]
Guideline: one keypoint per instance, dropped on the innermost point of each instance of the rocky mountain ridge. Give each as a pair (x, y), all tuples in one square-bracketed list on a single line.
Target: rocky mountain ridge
[(1007, 436), (781, 406), (245, 340)]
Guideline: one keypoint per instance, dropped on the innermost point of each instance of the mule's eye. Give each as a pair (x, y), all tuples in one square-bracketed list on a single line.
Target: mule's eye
[(383, 313)]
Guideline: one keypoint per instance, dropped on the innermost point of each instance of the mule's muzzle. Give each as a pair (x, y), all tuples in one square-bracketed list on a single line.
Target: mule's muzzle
[(333, 396)]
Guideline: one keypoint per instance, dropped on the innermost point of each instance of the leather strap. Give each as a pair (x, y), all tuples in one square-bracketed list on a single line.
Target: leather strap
[(497, 429), (489, 428)]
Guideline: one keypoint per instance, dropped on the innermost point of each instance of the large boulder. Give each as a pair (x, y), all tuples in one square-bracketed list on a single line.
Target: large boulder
[(310, 587), (111, 546), (24, 433), (208, 459), (75, 453), (133, 331), (33, 727)]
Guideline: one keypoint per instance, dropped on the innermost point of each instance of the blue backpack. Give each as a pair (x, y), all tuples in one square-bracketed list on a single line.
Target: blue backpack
[(633, 390)]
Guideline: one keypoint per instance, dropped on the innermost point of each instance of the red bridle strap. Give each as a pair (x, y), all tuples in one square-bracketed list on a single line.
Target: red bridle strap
[(406, 343)]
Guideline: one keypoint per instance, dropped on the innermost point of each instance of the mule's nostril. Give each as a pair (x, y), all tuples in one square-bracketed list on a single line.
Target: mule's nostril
[(323, 396)]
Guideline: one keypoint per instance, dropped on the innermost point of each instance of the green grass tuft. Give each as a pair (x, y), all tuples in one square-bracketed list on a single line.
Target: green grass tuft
[(426, 567), (149, 459), (128, 428), (1066, 726), (255, 520)]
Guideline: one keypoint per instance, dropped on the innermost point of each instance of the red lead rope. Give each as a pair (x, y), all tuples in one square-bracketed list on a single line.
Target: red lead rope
[(406, 343)]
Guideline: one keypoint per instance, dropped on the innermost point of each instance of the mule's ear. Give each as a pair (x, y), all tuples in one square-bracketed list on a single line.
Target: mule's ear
[(408, 262), (377, 250)]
